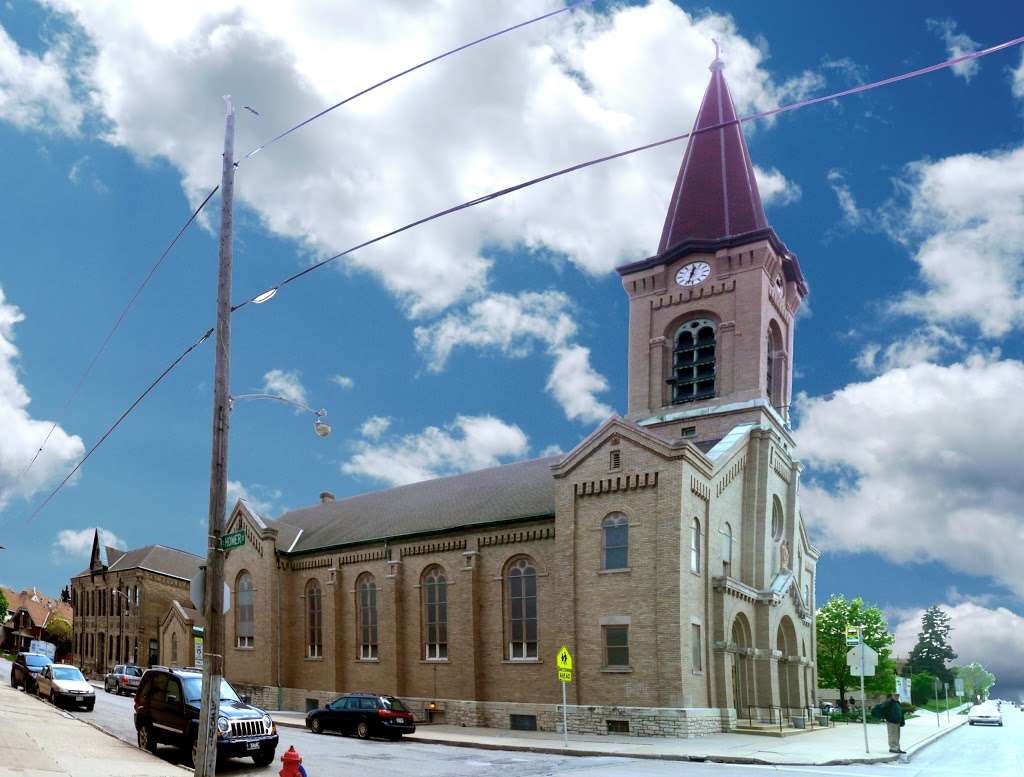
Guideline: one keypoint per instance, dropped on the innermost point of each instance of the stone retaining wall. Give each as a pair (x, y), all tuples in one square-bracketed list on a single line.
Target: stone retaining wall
[(642, 721)]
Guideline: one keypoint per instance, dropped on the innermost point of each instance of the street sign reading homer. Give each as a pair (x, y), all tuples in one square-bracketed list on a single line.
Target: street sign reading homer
[(234, 540), (564, 660)]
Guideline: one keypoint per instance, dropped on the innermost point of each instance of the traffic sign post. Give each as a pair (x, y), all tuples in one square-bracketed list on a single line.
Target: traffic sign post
[(564, 664), (862, 661), (945, 687)]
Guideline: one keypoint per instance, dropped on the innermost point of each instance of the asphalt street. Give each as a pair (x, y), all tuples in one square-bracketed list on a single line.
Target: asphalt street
[(967, 752)]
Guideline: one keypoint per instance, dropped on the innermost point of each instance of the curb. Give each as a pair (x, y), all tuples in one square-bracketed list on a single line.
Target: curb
[(725, 759), (915, 749)]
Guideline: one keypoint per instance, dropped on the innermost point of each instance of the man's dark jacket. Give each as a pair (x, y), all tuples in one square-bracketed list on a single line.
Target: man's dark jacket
[(890, 711)]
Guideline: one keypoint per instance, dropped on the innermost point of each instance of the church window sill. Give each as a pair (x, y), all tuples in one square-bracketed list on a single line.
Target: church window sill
[(616, 669), (522, 661), (626, 570)]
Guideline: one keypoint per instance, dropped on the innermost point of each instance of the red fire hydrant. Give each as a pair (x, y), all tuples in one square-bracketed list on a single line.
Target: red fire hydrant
[(292, 764)]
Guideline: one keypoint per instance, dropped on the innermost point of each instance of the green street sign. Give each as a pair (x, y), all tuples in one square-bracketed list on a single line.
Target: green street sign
[(234, 540)]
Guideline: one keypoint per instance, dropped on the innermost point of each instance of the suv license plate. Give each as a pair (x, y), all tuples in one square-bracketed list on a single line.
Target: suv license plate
[(79, 698), (252, 745)]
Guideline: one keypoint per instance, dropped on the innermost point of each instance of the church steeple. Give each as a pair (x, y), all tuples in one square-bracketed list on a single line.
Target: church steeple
[(712, 314), (715, 195)]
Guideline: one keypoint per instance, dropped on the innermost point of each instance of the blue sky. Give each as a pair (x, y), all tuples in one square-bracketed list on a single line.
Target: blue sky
[(904, 206)]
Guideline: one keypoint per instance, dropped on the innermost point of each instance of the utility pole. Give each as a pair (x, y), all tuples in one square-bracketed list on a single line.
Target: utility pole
[(213, 595)]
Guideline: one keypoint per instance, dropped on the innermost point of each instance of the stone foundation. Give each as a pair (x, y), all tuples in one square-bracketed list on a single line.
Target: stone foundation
[(584, 719)]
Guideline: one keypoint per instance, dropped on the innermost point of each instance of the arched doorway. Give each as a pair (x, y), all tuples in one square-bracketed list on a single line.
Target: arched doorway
[(789, 668), (742, 672)]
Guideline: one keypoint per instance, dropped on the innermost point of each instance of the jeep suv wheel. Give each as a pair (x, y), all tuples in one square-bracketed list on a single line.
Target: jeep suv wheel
[(146, 739)]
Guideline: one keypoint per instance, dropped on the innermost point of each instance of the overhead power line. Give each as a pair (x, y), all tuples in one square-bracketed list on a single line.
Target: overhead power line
[(269, 293), (280, 136)]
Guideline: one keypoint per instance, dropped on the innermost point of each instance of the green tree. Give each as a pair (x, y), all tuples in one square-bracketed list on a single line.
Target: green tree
[(922, 688), (4, 604), (832, 619), (59, 632), (977, 680), (932, 650)]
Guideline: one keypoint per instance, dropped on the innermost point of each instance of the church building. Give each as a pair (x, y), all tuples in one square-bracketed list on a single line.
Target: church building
[(666, 551)]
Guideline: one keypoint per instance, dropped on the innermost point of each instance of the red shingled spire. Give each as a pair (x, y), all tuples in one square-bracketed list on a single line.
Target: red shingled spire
[(716, 195)]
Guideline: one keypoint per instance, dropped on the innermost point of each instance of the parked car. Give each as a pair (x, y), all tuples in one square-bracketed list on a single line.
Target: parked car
[(167, 711), (64, 684), (25, 668), (363, 714), (985, 714), (123, 680)]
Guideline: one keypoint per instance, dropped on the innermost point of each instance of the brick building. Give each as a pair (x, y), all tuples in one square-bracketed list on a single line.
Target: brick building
[(29, 614), (666, 550), (120, 601)]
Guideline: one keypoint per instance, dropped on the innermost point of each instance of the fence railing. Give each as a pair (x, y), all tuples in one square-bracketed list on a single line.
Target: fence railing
[(781, 715)]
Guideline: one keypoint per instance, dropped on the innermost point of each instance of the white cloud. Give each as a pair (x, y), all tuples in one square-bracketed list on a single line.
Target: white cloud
[(775, 188), (852, 214), (514, 324), (575, 384), (81, 172), (260, 498), (925, 466), (926, 344), (285, 383), (964, 219), (989, 635), (344, 381), (21, 434), (571, 88), (1018, 78), (35, 92), (71, 544), (957, 44), (469, 443), (374, 426)]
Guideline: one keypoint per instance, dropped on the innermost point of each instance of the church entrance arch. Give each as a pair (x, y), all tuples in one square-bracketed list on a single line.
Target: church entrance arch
[(742, 671), (789, 677)]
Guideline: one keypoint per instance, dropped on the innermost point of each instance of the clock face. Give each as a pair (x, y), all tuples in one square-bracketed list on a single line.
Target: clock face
[(693, 273)]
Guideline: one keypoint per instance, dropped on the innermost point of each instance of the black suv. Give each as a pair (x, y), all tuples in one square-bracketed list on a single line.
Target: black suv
[(25, 668), (167, 710), (363, 714)]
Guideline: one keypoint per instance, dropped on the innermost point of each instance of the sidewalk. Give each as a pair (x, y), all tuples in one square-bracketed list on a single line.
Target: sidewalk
[(841, 744), (39, 739)]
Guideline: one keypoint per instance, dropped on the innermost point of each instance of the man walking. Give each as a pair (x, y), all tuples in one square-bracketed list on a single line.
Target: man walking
[(891, 712)]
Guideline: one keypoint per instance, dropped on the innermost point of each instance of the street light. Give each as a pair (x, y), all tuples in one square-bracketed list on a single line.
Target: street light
[(320, 426)]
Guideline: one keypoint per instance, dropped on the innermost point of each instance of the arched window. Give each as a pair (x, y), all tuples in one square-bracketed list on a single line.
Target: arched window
[(521, 585), (695, 545), (435, 614), (366, 606), (727, 548), (693, 364), (174, 647), (314, 621), (777, 519), (244, 613), (615, 538), (769, 378)]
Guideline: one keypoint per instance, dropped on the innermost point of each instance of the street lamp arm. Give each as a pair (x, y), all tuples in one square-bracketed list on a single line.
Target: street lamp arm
[(285, 400)]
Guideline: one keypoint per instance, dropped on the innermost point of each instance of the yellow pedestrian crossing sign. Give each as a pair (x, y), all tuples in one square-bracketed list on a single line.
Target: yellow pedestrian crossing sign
[(564, 659)]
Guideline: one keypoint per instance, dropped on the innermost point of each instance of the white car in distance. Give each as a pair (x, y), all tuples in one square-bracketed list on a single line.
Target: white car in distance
[(64, 684), (985, 713)]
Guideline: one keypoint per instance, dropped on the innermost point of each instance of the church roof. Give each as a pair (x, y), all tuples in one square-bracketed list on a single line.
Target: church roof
[(524, 489), (716, 195), (155, 558)]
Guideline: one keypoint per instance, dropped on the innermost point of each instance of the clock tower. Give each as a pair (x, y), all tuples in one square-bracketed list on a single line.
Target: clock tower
[(711, 315)]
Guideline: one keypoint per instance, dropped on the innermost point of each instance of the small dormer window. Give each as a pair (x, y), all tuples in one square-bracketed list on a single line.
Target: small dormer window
[(615, 459), (693, 366)]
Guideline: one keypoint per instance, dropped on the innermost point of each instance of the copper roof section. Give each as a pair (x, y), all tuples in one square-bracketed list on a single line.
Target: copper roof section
[(715, 195)]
